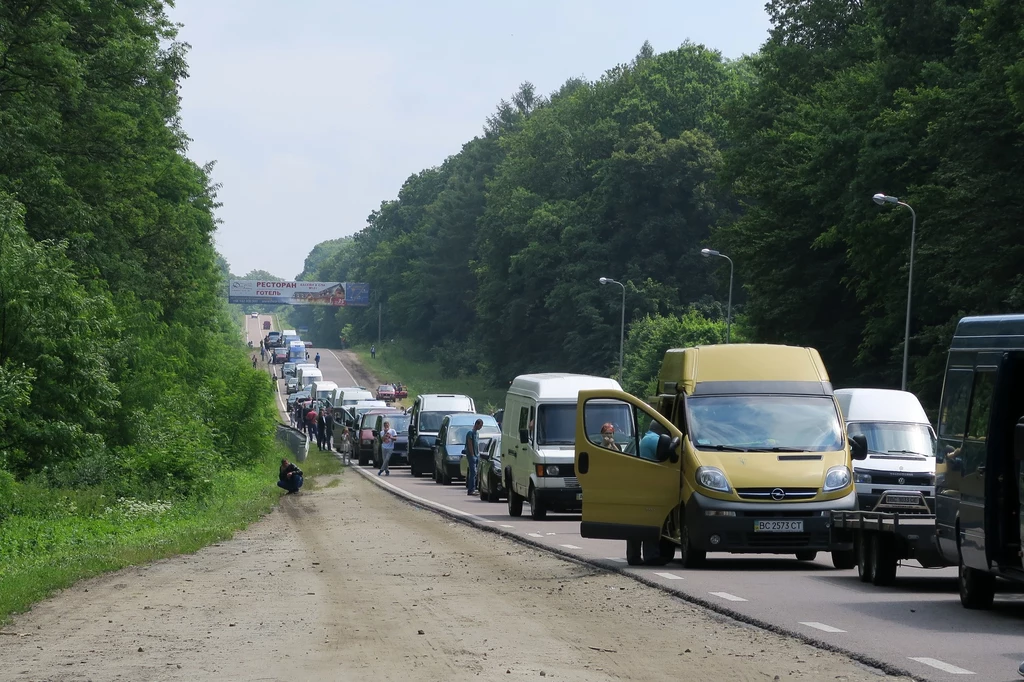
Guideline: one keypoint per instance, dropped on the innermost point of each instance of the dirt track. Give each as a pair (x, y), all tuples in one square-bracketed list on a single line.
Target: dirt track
[(349, 583)]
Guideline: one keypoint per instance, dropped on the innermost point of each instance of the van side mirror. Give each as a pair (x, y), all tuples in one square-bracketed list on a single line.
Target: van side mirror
[(1018, 441), (524, 436), (667, 446), (859, 446)]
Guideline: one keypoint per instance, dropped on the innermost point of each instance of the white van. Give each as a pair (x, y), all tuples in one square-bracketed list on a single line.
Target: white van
[(901, 443), (308, 375), (425, 422), (350, 395), (538, 435), (324, 390)]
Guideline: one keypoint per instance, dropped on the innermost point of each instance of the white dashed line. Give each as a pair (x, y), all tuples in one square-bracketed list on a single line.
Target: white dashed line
[(505, 525), (535, 535), (550, 533), (669, 576), (616, 559), (940, 665), (821, 626), (570, 546), (727, 596)]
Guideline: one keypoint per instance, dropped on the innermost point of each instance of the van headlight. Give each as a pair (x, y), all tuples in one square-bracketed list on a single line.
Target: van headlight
[(712, 479), (837, 478), (551, 470), (860, 477)]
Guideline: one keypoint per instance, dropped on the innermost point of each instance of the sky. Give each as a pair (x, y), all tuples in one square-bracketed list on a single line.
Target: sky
[(316, 111)]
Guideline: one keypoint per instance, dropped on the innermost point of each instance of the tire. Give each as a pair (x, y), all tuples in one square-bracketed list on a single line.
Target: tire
[(413, 470), (806, 555), (363, 461), (437, 476), (634, 555), (690, 555), (483, 496), (658, 553), (977, 588), (865, 567), (515, 503), (445, 478), (883, 560), (538, 512), (844, 559)]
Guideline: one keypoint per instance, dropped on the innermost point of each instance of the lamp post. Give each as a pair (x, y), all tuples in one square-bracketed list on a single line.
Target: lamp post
[(622, 329), (881, 200), (708, 253)]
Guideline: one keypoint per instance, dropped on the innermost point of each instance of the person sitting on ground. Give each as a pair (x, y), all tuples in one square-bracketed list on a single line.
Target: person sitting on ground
[(290, 477)]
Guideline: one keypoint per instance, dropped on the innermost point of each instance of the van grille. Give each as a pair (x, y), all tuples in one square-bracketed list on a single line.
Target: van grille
[(572, 482), (778, 539), (894, 479), (765, 494)]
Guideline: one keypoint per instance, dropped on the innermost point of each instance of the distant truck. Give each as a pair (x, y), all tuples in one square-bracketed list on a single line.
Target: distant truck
[(745, 452)]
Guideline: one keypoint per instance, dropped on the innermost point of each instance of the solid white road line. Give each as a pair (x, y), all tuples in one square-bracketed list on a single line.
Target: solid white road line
[(821, 626), (570, 546), (940, 665), (670, 576), (535, 535), (505, 525), (343, 367), (727, 596), (367, 473)]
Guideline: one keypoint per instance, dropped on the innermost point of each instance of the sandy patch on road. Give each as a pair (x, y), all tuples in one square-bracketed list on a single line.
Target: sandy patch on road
[(349, 583)]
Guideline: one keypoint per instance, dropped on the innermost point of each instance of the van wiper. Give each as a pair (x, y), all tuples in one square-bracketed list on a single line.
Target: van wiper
[(777, 449), (905, 452), (730, 448)]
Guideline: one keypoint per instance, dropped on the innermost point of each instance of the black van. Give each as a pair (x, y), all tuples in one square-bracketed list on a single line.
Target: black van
[(980, 446)]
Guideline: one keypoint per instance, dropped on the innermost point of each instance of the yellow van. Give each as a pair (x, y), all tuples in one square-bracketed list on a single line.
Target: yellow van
[(746, 452)]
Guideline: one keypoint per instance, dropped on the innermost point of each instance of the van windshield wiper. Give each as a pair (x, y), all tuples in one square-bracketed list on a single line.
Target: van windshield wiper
[(777, 449), (730, 448), (905, 452)]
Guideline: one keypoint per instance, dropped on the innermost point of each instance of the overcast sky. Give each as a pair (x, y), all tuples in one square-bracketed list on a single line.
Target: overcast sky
[(316, 111)]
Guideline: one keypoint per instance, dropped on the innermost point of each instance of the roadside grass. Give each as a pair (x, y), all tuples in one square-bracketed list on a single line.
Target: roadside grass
[(319, 463), (64, 536), (393, 363)]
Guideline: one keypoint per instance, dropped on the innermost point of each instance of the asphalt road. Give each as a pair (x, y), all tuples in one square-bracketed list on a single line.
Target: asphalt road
[(917, 625)]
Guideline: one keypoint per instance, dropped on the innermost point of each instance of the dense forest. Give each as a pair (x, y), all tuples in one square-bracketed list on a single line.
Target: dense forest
[(490, 260), (121, 369)]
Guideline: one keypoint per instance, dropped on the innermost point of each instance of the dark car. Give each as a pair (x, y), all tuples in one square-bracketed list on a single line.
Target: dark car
[(400, 424), (366, 433), (488, 473), (451, 441), (297, 396), (280, 355)]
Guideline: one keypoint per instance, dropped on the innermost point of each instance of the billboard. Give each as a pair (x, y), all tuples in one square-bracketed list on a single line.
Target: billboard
[(247, 291)]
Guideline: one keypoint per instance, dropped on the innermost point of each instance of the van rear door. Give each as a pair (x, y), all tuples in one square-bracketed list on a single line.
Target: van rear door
[(627, 493)]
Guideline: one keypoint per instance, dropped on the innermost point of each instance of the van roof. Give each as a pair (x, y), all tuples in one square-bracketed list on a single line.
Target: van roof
[(800, 369), (990, 331), (880, 405), (558, 385)]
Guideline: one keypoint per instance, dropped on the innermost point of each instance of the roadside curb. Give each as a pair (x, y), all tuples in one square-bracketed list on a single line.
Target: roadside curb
[(714, 608)]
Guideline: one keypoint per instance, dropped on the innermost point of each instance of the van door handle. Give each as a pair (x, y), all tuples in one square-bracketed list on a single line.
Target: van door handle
[(584, 466)]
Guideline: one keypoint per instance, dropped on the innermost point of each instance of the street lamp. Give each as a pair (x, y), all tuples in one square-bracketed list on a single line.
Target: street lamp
[(708, 253), (622, 329), (881, 200)]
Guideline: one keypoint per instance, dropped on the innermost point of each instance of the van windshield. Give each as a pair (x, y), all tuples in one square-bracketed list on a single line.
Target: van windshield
[(457, 433), (430, 422), (886, 438), (764, 423)]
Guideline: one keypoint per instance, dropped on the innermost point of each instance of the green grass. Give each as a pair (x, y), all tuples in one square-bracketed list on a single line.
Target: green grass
[(393, 363), (65, 536)]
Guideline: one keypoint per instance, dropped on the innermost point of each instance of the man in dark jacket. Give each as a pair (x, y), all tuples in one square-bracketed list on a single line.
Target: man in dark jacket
[(321, 429), (290, 477)]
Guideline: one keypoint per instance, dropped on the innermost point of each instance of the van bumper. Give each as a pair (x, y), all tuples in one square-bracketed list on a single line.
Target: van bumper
[(736, 533), (421, 459), (561, 499), (868, 495)]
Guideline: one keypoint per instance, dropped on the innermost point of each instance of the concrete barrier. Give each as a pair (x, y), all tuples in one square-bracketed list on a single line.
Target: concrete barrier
[(295, 440)]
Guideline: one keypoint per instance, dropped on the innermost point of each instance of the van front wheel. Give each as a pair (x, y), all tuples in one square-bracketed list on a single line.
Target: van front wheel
[(538, 512), (634, 555), (690, 555), (515, 503), (977, 588), (844, 559)]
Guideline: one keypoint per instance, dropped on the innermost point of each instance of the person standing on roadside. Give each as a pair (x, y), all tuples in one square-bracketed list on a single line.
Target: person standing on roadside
[(373, 352), (387, 447), (346, 446), (329, 429), (254, 361), (321, 429), (311, 423), (316, 359), (472, 455)]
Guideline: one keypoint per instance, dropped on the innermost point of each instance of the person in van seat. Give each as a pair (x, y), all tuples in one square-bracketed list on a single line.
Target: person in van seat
[(649, 443), (608, 437), (289, 477)]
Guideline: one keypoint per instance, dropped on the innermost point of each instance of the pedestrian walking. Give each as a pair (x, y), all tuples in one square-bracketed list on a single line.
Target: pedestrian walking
[(329, 430), (317, 360), (387, 447), (321, 430), (307, 355), (254, 361), (311, 424), (373, 352), (346, 445), (473, 455)]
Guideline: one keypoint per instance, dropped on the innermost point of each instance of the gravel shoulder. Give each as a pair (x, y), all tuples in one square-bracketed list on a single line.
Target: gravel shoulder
[(349, 583)]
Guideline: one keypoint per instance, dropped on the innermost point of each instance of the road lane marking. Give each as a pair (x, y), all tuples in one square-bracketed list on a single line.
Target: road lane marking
[(670, 576), (821, 626), (727, 596), (570, 546), (367, 473), (616, 559), (940, 665), (505, 525), (343, 367), (535, 535)]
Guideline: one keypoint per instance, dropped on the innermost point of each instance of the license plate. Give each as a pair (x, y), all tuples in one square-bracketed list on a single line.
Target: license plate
[(779, 526), (903, 499), (579, 497)]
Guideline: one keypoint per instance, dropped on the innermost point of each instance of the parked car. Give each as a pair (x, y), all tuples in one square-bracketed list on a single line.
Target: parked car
[(288, 370), (451, 441), (296, 397), (400, 424), (427, 412), (291, 385), (280, 355), (488, 473), (401, 392), (266, 324), (386, 393), (366, 433)]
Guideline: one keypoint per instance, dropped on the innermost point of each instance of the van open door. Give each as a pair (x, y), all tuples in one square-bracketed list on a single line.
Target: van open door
[(628, 464)]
